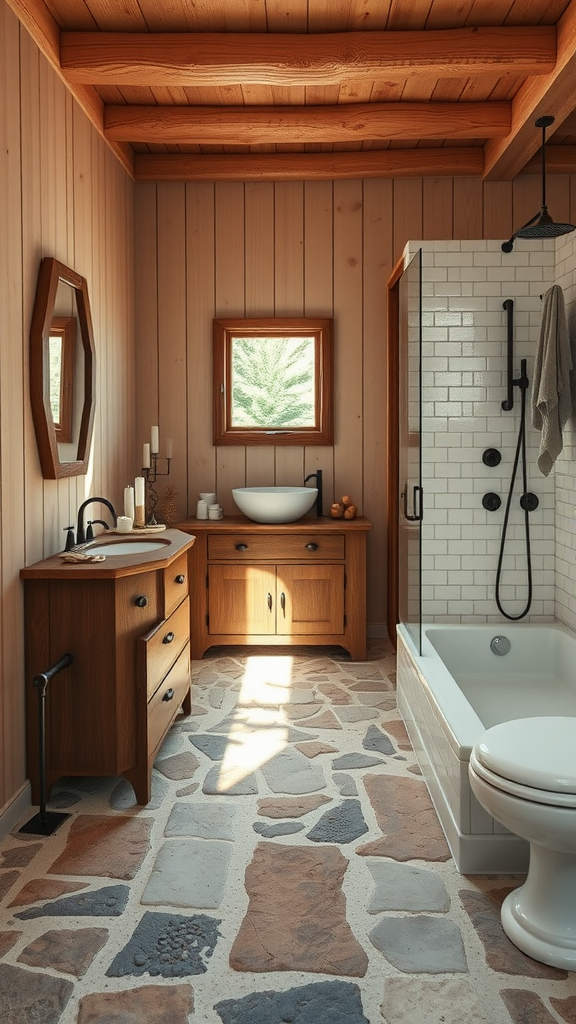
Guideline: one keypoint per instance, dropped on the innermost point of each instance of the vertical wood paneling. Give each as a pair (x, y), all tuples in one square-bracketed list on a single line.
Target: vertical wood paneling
[(319, 299), (199, 452), (407, 222), (146, 315), (377, 269), (259, 228), (467, 208), (289, 248), (230, 295), (172, 349), (438, 205), (349, 345), (11, 419), (53, 202), (497, 213)]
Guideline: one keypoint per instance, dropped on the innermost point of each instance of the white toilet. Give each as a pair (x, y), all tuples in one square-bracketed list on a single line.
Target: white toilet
[(524, 774)]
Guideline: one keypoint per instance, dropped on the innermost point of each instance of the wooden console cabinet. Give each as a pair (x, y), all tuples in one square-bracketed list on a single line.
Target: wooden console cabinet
[(126, 623), (289, 583)]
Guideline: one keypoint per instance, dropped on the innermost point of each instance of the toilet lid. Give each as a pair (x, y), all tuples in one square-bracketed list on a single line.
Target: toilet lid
[(534, 752)]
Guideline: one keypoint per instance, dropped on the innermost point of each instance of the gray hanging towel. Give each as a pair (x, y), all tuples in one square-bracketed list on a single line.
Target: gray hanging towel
[(551, 399)]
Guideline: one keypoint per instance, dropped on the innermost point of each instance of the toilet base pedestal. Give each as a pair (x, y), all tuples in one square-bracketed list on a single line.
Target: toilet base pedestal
[(540, 916)]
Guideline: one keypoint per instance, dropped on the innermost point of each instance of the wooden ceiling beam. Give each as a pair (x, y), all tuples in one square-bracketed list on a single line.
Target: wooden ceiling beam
[(559, 160), (398, 163), (211, 59), (237, 126), (552, 94)]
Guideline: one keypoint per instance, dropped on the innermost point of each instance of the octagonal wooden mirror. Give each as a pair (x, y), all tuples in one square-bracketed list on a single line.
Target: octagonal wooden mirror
[(62, 371)]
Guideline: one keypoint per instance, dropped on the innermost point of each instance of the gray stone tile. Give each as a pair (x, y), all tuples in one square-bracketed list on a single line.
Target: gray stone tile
[(110, 901), (404, 887), (324, 1002), (189, 873), (421, 944), (291, 772), (349, 761), (281, 828), (219, 782), (213, 746), (346, 784), (202, 821), (375, 739), (30, 996), (341, 824), (356, 713), (169, 945)]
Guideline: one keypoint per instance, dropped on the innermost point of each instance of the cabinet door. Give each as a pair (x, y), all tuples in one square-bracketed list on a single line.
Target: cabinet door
[(310, 599), (241, 599)]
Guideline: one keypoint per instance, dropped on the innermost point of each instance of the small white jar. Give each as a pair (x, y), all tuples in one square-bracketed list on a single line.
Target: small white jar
[(202, 509), (215, 512)]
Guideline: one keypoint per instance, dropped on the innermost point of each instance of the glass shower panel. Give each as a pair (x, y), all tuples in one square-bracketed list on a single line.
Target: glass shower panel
[(410, 459)]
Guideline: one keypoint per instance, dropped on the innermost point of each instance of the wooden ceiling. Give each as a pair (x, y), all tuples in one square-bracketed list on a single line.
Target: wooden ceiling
[(291, 89)]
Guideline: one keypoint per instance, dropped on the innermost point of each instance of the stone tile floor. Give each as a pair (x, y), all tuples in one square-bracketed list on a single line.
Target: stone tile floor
[(289, 869)]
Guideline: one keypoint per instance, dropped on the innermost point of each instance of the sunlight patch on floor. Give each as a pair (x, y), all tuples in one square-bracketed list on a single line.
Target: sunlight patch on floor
[(260, 730)]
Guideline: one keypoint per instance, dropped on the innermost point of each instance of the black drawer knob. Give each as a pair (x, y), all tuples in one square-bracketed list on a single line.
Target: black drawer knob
[(312, 546), (169, 694), (168, 638), (180, 578), (141, 601), (241, 547)]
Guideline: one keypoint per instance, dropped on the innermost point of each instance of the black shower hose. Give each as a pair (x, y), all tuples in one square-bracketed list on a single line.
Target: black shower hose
[(520, 448)]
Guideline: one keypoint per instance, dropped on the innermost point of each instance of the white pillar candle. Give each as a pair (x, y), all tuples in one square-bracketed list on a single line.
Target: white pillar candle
[(154, 440), (139, 491), (169, 448), (145, 457), (129, 502)]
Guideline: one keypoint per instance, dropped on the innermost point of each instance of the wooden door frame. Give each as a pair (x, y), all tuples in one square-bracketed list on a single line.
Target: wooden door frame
[(392, 445)]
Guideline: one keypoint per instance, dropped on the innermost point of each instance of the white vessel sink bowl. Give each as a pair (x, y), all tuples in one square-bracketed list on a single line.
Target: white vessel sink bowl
[(138, 546), (274, 504)]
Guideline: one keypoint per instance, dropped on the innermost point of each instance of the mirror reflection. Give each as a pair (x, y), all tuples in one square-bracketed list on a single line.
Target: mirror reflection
[(62, 370)]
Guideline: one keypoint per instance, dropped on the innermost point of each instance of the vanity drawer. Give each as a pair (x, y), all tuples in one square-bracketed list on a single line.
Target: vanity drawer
[(275, 547), (175, 583), (168, 698), (163, 644)]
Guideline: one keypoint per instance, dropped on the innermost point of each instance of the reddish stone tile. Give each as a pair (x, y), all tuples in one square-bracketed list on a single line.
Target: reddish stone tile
[(7, 880), (32, 997), (398, 731), (70, 951), (483, 909), (39, 889), (335, 693), (290, 807), (103, 845), (325, 721), (178, 766), (154, 1004), (315, 747), (565, 1008), (292, 711), (20, 856), (7, 940), (405, 814), (296, 918), (525, 1007)]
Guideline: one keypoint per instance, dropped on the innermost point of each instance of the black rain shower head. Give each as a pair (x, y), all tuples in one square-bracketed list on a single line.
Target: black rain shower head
[(541, 225)]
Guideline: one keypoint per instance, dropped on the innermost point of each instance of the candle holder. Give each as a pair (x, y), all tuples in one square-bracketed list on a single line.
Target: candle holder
[(151, 474)]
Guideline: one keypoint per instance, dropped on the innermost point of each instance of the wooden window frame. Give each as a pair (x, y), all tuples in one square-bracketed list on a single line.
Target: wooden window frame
[(224, 331)]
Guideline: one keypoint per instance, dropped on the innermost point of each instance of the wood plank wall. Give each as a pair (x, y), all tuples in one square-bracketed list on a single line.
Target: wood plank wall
[(62, 194), (293, 249)]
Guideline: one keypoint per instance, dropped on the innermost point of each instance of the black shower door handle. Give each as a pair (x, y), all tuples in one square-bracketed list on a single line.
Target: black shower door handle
[(416, 517)]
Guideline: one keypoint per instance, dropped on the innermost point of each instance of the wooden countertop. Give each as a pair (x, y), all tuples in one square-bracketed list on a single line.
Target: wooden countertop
[(240, 524), (115, 565)]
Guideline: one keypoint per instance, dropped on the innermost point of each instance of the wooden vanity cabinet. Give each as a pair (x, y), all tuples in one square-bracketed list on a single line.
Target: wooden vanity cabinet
[(289, 583), (127, 628)]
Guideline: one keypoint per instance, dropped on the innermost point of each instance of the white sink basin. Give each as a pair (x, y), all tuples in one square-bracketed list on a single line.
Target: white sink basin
[(274, 504), (125, 547)]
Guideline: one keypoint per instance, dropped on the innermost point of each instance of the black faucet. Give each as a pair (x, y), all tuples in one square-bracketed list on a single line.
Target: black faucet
[(317, 476), (81, 536)]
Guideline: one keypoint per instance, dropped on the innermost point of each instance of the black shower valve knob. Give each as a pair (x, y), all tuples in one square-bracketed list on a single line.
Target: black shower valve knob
[(529, 502), (491, 502), (491, 457)]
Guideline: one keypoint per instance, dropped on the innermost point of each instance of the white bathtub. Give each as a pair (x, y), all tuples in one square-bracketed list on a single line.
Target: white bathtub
[(458, 688)]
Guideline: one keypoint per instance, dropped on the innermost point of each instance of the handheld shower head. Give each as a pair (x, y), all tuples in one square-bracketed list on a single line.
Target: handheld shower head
[(541, 225)]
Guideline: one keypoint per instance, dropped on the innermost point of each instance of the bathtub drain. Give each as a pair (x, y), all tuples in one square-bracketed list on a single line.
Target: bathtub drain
[(500, 645)]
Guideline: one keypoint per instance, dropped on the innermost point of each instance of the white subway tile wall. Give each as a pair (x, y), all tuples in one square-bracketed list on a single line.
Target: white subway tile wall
[(464, 285)]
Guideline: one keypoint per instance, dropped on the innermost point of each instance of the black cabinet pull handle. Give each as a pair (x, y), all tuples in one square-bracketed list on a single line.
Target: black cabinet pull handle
[(241, 547), (283, 601), (311, 546), (168, 638), (169, 694), (141, 601), (180, 578), (270, 601)]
